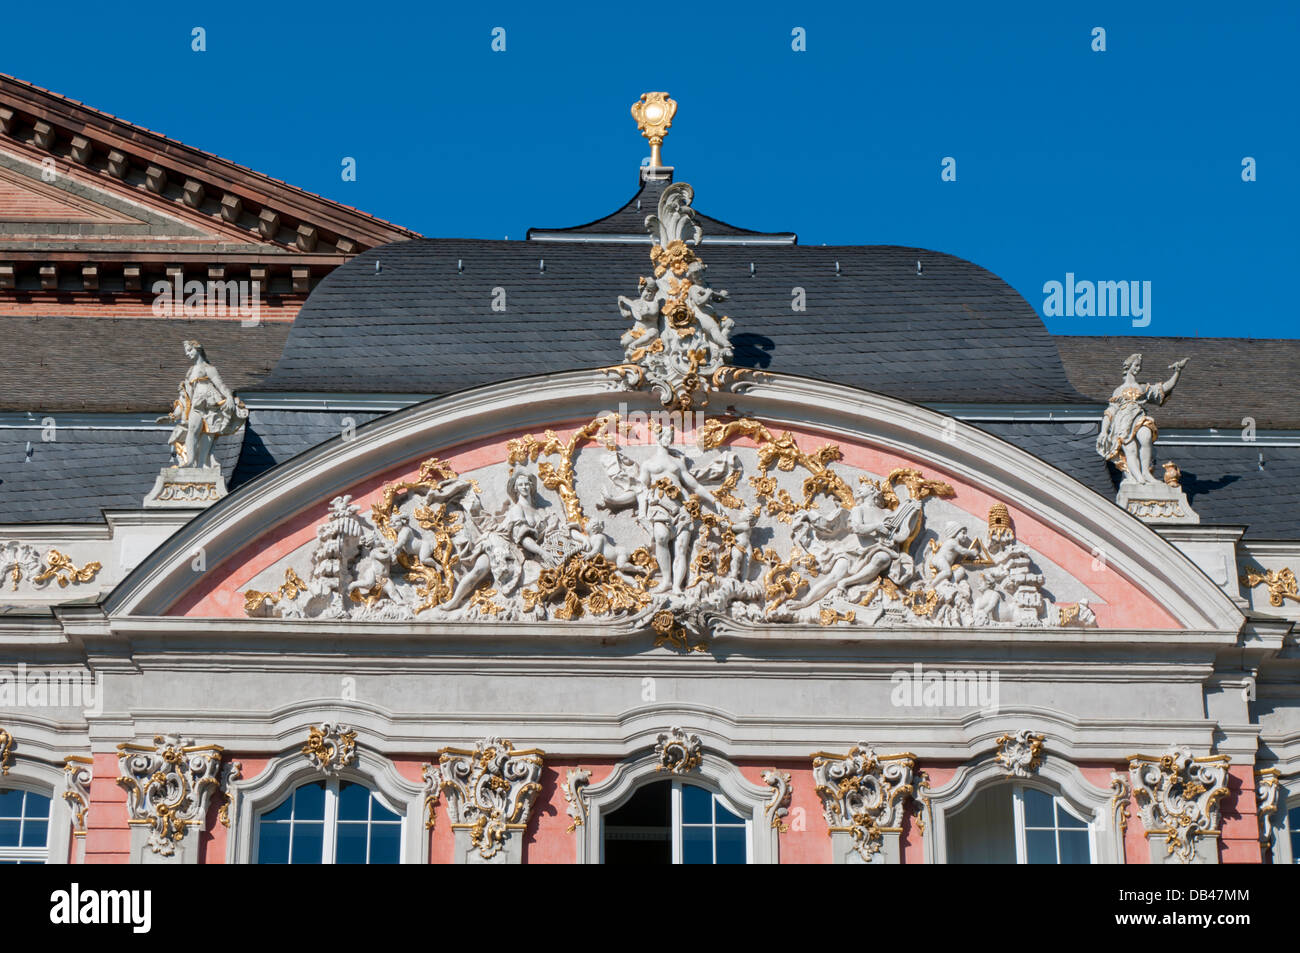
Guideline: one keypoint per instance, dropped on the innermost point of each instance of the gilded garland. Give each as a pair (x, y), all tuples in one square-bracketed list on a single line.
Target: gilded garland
[(617, 521)]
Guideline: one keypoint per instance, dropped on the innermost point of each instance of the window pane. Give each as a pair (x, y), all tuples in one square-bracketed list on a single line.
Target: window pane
[(385, 843), (697, 845), (1066, 820), (36, 826), (1074, 847), (697, 804), (731, 844), (1293, 827), (1040, 847), (9, 833), (309, 802), (353, 801), (351, 847), (273, 843), (11, 803), (281, 812), (308, 842), (1038, 808), (380, 813), (725, 816)]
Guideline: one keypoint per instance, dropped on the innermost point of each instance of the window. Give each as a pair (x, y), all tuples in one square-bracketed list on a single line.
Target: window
[(24, 826), (330, 822), (678, 823), (1018, 824)]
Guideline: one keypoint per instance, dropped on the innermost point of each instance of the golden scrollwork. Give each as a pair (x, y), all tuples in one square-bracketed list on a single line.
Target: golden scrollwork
[(671, 633), (6, 751), (781, 581), (560, 478), (289, 589), (1281, 584), (60, 568), (330, 747), (830, 616), (783, 453)]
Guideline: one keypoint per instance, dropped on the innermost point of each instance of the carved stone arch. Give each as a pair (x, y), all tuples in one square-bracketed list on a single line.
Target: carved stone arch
[(252, 798), (714, 773), (1055, 776)]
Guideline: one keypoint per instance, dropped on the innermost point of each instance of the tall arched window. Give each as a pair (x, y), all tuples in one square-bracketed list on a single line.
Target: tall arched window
[(330, 822), (1018, 824), (676, 822), (24, 826)]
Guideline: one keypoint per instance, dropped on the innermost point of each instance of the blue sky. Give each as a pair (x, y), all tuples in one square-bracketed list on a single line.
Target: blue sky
[(1123, 165)]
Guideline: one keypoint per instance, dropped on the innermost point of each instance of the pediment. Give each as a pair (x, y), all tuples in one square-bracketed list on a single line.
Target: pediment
[(550, 504)]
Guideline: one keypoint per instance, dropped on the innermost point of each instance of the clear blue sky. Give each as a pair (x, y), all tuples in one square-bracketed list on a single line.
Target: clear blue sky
[(1122, 165)]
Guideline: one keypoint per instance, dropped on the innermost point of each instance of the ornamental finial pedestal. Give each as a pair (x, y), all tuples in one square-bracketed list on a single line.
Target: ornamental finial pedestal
[(654, 113)]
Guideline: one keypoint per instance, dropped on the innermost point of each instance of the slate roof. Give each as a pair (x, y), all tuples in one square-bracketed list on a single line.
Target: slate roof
[(1226, 379), (422, 325), (112, 365), (630, 220), (83, 470), (273, 436)]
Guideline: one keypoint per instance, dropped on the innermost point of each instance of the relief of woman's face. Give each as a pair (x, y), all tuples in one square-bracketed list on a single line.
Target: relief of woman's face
[(524, 486), (189, 350)]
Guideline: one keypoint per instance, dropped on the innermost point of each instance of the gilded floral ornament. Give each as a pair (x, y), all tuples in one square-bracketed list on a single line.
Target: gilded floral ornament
[(1178, 797), (616, 522), (490, 790), (777, 807), (1281, 584), (1121, 791), (432, 788), (678, 752), (330, 748), (678, 345), (1020, 754), (169, 786), (864, 794), (6, 751), (576, 782), (21, 560), (77, 771)]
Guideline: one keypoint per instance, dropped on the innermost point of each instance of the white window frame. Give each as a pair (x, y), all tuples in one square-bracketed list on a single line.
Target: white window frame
[(679, 824), (256, 796), (329, 833), (1021, 828), (1057, 777), (28, 854), (714, 774)]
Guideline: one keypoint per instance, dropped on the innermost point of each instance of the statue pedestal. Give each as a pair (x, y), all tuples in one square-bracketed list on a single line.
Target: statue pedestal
[(186, 487), (1156, 502)]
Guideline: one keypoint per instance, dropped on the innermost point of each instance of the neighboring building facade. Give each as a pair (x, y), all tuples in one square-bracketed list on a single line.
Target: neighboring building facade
[(650, 540)]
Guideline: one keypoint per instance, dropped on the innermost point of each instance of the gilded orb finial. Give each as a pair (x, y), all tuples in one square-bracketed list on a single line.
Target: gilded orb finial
[(654, 113)]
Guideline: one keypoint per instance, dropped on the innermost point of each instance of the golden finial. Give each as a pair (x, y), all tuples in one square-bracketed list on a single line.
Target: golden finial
[(654, 113)]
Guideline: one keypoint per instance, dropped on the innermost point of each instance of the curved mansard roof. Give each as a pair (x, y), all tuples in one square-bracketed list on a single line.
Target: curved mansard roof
[(424, 321)]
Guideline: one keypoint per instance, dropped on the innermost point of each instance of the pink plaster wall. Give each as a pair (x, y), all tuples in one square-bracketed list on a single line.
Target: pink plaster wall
[(108, 836), (219, 593)]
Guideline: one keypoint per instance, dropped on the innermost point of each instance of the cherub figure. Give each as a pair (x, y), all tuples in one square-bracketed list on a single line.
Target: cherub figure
[(954, 546), (644, 312)]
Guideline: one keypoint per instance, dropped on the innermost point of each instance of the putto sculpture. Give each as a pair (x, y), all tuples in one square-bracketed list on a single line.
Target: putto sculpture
[(1127, 439), (205, 409)]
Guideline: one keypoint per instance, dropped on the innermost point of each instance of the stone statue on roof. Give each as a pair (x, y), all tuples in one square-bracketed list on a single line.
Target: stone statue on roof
[(205, 409)]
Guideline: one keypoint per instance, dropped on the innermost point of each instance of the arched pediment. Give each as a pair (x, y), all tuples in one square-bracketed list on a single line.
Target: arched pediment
[(801, 508)]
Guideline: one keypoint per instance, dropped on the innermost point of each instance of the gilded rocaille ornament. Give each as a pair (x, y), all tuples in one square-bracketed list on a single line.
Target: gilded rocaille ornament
[(490, 790), (77, 771), (1020, 754), (1281, 584), (654, 113), (169, 786), (20, 560), (6, 751), (777, 807), (575, 783), (1178, 797), (616, 522), (863, 794), (330, 748), (678, 752)]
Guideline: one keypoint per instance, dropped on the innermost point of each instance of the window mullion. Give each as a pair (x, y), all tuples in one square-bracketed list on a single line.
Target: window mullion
[(329, 836), (677, 822), (1018, 810)]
